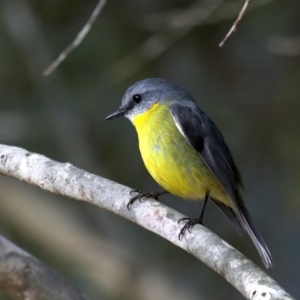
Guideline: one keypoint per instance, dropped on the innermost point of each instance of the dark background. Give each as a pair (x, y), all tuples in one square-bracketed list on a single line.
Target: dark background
[(250, 88)]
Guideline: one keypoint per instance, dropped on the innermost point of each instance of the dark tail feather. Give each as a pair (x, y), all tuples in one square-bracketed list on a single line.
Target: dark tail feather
[(244, 221), (255, 236), (231, 215)]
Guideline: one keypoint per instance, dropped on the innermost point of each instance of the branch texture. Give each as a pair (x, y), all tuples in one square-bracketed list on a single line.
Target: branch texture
[(23, 277), (67, 180)]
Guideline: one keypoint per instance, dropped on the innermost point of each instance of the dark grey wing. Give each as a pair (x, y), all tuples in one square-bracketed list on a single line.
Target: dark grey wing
[(205, 138)]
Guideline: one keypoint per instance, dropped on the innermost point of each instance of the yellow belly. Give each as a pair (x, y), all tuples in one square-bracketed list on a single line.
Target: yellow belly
[(171, 160)]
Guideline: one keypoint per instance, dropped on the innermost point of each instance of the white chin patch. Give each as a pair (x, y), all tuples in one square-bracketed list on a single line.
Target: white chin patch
[(129, 116)]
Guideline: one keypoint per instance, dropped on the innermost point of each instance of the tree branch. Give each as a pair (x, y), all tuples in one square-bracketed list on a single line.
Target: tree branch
[(79, 38), (23, 277), (183, 22), (235, 24), (67, 180)]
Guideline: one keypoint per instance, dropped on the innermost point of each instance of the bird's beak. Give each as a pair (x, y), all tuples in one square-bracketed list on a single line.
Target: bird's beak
[(119, 113)]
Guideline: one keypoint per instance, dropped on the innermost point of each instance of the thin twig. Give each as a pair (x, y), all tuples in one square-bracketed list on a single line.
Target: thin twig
[(69, 181), (235, 24), (79, 38)]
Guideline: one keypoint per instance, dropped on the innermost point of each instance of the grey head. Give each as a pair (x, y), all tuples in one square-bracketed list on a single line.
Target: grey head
[(143, 94)]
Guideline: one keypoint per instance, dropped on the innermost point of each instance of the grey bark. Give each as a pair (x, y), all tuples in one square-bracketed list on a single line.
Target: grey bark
[(67, 180), (23, 277)]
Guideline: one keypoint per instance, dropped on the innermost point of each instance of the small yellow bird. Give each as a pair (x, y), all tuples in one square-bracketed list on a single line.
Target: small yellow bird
[(186, 154)]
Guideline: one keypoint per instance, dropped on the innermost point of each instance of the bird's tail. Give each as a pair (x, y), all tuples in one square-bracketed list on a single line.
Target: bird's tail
[(255, 236), (241, 220)]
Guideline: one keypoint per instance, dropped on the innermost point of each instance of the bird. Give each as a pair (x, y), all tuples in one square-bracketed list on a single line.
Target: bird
[(186, 154)]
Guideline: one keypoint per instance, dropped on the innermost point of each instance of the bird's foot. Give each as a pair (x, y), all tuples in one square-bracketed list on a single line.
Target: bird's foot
[(190, 222), (140, 195)]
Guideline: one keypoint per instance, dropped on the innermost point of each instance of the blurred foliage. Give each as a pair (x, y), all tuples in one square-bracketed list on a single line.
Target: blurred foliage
[(250, 92)]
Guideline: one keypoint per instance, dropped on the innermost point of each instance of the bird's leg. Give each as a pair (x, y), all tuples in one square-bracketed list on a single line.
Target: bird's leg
[(190, 222), (140, 195), (203, 209)]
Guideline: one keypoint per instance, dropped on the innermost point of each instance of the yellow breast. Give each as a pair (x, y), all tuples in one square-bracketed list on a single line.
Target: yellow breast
[(170, 159)]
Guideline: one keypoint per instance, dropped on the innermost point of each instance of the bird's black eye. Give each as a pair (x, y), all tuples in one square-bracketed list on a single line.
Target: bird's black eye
[(137, 98)]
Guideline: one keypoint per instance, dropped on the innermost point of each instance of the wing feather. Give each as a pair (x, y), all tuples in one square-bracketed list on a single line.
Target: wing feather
[(207, 140)]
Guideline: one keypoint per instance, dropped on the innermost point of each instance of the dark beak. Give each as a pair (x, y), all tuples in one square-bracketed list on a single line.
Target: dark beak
[(119, 113)]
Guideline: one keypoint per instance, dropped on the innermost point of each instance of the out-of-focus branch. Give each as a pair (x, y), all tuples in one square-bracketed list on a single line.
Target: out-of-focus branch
[(26, 33), (235, 24), (192, 16), (96, 258), (180, 21), (159, 42), (67, 180), (79, 38), (23, 277), (170, 28), (284, 45)]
